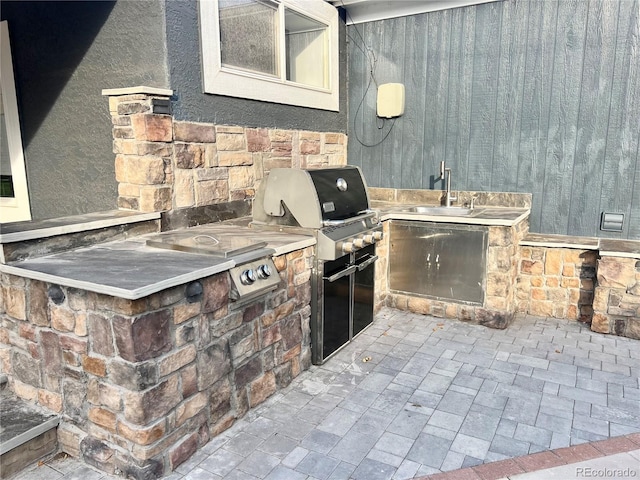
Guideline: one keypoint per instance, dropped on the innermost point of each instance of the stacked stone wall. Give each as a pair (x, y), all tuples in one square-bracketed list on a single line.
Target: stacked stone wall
[(141, 384), (556, 282), (381, 280), (164, 164), (502, 266)]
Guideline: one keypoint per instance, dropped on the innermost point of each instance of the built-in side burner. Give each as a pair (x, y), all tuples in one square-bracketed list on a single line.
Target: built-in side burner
[(225, 246), (255, 273)]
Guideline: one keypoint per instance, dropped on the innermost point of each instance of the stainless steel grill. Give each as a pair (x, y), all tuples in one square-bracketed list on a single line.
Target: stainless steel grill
[(333, 205)]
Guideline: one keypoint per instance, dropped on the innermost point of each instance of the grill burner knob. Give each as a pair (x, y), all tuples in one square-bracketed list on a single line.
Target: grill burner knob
[(248, 277), (264, 271), (368, 239), (377, 236), (358, 242), (347, 247)]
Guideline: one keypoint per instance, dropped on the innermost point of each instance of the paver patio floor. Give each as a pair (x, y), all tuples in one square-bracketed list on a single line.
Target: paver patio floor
[(415, 395)]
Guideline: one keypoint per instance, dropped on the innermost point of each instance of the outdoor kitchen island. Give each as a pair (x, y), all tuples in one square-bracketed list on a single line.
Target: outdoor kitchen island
[(451, 262), (144, 352)]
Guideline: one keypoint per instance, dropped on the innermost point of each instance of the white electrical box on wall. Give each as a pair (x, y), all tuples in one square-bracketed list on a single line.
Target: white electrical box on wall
[(390, 100)]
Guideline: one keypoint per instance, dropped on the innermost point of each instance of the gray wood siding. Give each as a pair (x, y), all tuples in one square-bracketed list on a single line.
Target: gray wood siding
[(531, 96)]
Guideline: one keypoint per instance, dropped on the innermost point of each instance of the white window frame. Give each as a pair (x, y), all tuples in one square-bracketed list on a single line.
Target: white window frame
[(17, 208), (222, 80)]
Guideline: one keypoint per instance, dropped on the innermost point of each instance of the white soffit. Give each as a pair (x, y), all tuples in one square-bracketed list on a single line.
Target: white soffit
[(361, 11)]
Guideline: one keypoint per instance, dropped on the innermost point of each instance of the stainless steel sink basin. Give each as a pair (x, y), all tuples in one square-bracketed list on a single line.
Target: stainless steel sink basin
[(443, 211)]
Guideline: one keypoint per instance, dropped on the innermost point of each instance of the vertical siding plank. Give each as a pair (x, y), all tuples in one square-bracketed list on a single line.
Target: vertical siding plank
[(565, 101), (373, 37), (458, 128), (391, 70), (536, 102), (621, 163), (439, 25), (634, 216), (358, 70), (593, 118), (412, 123), (483, 102), (509, 96)]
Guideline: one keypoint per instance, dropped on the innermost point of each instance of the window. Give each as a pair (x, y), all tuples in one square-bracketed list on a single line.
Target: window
[(14, 196), (276, 51)]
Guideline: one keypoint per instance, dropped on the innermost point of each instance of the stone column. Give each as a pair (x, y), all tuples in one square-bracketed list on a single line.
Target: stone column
[(616, 302), (142, 142)]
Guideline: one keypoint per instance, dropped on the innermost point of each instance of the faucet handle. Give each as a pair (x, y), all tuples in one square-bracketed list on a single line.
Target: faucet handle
[(442, 169)]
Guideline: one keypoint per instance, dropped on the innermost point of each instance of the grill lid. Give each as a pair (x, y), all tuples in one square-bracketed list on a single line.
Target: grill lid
[(341, 192), (307, 198)]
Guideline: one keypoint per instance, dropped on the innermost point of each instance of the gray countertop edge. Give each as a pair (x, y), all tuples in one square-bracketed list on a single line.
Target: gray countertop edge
[(107, 221), (615, 253), (292, 247), (127, 294), (559, 244), (491, 222)]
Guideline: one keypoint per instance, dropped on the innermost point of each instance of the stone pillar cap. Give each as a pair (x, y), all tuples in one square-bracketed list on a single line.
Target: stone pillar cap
[(140, 89)]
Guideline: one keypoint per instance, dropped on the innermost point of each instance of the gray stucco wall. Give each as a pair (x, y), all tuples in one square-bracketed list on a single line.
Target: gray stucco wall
[(190, 103), (519, 95), (64, 54)]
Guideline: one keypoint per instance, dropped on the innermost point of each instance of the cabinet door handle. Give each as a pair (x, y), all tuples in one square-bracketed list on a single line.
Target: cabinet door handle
[(341, 273), (367, 262)]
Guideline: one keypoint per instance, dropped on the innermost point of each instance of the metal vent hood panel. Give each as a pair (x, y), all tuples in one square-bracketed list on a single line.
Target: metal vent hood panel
[(361, 11)]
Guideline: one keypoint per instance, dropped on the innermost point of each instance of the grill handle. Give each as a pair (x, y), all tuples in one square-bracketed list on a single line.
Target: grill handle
[(342, 273), (360, 216), (367, 262)]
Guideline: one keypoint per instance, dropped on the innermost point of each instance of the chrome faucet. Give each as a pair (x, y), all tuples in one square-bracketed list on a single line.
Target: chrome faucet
[(447, 171)]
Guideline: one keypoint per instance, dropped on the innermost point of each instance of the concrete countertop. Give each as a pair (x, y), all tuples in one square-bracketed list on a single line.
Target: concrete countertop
[(481, 215), (130, 269), (606, 247), (32, 230)]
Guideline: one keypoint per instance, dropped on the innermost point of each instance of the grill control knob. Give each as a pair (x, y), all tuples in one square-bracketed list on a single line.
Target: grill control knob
[(347, 247), (358, 242), (368, 239), (248, 277), (377, 236), (264, 271)]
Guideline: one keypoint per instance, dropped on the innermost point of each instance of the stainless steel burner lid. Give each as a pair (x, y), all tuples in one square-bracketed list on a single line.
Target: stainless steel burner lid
[(225, 246)]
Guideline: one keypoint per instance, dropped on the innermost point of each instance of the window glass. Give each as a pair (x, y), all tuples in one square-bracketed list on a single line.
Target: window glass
[(307, 50), (249, 35)]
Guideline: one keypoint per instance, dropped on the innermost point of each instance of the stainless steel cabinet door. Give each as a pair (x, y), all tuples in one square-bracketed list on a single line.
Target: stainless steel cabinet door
[(443, 261)]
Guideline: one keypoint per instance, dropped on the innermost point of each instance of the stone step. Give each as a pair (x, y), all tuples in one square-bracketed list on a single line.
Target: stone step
[(26, 433)]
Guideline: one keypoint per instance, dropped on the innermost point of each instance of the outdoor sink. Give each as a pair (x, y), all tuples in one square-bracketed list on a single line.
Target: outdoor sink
[(444, 211)]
